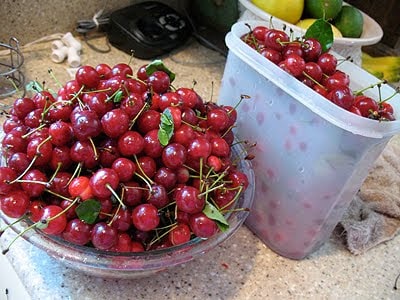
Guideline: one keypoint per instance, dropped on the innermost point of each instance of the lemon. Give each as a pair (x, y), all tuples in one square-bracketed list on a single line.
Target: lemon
[(323, 9), (286, 10), (308, 22), (349, 21)]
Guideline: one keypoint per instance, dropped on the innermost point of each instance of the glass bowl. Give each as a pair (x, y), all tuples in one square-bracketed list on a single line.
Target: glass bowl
[(108, 264)]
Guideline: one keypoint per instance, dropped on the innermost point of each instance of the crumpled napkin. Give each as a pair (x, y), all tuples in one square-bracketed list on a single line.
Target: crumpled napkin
[(373, 216)]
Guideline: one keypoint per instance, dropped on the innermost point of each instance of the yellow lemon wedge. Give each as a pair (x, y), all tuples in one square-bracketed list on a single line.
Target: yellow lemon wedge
[(305, 23), (286, 10)]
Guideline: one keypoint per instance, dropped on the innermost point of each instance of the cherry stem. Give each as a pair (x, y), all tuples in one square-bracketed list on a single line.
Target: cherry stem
[(59, 196), (234, 210), (137, 116), (211, 189), (313, 80), (46, 221), (67, 102), (32, 181), (33, 131), (194, 83), (145, 178), (18, 236), (252, 37), (96, 154), (202, 183), (134, 187), (233, 200), (76, 173), (50, 71), (59, 165), (212, 90), (115, 214), (12, 224), (391, 96), (159, 237), (360, 92), (348, 58), (145, 181), (13, 84), (81, 105), (227, 131), (108, 186), (25, 171), (169, 204)]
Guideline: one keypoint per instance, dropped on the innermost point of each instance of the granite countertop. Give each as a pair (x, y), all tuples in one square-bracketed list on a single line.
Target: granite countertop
[(242, 267)]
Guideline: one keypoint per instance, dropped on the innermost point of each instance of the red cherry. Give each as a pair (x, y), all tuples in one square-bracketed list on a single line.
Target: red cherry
[(188, 199), (180, 234), (104, 236), (7, 174), (259, 32), (311, 49), (159, 81), (328, 63), (115, 122), (103, 70), (80, 187), (341, 96), (15, 204), (77, 232), (314, 71), (125, 168), (174, 155), (294, 64), (145, 217), (202, 226), (87, 76), (276, 39), (130, 143), (366, 105), (121, 69), (55, 219), (272, 55), (103, 181)]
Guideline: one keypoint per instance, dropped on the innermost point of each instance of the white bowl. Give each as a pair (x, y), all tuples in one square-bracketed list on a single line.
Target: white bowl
[(372, 31)]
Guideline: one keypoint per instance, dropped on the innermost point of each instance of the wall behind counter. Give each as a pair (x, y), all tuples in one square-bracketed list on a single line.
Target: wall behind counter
[(386, 13), (29, 20)]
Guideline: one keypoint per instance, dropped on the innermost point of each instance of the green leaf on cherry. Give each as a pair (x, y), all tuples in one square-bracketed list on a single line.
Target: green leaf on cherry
[(118, 96), (34, 86), (158, 65), (214, 214), (88, 211), (166, 129), (322, 31)]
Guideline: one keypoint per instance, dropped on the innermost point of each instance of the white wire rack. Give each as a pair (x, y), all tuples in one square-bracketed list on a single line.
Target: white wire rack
[(12, 79)]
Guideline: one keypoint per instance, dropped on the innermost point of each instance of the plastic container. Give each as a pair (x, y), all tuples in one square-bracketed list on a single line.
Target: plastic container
[(311, 156)]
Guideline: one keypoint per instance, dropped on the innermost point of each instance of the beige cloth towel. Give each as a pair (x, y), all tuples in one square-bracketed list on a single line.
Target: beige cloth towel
[(373, 216)]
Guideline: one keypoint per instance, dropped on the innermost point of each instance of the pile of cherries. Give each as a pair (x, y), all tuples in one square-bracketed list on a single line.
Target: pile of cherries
[(306, 61), (120, 161)]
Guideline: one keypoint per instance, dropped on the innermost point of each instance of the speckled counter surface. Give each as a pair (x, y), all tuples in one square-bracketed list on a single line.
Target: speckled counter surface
[(242, 267)]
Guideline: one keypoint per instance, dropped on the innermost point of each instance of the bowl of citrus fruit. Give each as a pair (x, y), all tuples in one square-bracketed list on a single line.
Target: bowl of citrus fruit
[(350, 26)]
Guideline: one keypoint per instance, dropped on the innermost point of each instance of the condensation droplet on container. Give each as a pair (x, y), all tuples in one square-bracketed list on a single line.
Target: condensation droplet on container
[(301, 169), (270, 102)]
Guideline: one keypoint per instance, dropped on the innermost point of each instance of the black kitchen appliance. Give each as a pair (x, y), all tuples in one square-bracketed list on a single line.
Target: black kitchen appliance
[(148, 29)]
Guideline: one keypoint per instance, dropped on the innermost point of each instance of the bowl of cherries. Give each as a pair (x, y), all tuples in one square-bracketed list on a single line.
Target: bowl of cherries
[(120, 174)]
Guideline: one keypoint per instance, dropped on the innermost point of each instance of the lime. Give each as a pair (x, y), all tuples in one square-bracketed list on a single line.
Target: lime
[(323, 9), (349, 21), (289, 10), (308, 22)]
